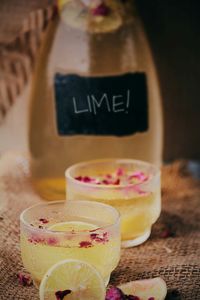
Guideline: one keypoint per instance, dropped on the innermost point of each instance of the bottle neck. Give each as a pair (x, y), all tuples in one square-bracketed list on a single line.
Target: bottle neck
[(114, 53), (98, 53), (96, 16)]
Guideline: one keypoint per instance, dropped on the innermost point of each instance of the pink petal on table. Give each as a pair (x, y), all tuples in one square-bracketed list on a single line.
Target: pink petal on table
[(24, 279)]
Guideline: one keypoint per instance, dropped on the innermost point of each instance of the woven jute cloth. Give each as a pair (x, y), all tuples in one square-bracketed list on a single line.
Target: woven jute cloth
[(22, 23), (176, 258)]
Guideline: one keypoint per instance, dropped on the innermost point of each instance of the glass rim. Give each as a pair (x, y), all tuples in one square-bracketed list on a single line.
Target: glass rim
[(105, 186), (69, 233)]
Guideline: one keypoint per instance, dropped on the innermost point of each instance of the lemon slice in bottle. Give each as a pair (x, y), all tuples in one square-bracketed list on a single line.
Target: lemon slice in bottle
[(72, 225), (74, 14), (75, 279), (80, 16)]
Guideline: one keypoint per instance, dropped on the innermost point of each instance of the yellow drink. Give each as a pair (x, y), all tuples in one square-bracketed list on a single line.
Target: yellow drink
[(104, 49), (69, 235), (135, 194), (50, 188)]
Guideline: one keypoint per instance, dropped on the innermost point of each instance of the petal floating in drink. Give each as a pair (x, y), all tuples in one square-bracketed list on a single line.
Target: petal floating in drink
[(60, 295)]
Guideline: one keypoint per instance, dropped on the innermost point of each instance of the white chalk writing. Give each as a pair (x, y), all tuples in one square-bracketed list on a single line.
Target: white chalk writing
[(114, 104)]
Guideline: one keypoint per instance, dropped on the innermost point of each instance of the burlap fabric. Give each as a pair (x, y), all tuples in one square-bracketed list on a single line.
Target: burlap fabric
[(21, 26), (175, 258)]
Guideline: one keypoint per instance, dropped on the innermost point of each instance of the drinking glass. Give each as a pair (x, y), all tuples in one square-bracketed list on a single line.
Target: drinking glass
[(83, 230), (131, 186)]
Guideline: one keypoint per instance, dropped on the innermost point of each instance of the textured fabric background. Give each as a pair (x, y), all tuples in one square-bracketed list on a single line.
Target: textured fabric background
[(176, 258), (21, 25)]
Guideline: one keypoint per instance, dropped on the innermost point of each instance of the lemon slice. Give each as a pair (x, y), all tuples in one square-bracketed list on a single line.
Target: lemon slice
[(72, 226), (145, 289), (77, 15), (74, 14), (76, 279)]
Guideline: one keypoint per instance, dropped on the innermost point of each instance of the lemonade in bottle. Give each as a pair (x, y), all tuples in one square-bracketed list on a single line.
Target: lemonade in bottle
[(94, 94)]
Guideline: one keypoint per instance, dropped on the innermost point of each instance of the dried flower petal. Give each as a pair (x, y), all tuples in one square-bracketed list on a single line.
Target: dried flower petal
[(100, 238), (117, 182), (52, 241), (61, 294), (166, 233), (105, 181), (117, 178), (101, 10), (87, 179), (79, 178), (36, 239), (114, 293), (94, 236), (43, 220), (85, 244), (141, 176), (130, 297), (120, 172), (24, 279), (108, 176)]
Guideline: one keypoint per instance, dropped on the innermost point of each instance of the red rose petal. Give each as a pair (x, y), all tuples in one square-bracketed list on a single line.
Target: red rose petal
[(120, 172), (108, 176), (52, 241), (141, 176), (79, 178), (117, 182), (166, 233), (105, 181), (61, 294), (43, 220), (114, 293), (24, 279), (101, 10), (85, 244)]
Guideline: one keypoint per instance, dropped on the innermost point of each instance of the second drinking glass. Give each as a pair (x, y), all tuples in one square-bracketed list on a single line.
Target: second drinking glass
[(131, 186)]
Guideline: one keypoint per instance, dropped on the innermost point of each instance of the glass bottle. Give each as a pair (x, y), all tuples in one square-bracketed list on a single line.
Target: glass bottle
[(95, 93)]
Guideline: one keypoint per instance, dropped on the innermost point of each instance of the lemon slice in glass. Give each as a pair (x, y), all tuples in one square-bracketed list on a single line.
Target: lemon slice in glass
[(73, 280), (76, 226)]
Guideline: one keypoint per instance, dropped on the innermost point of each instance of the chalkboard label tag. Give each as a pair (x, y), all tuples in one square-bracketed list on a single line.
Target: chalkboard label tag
[(112, 105)]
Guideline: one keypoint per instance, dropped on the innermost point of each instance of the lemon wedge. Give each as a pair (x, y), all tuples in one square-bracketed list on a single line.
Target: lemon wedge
[(145, 289)]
